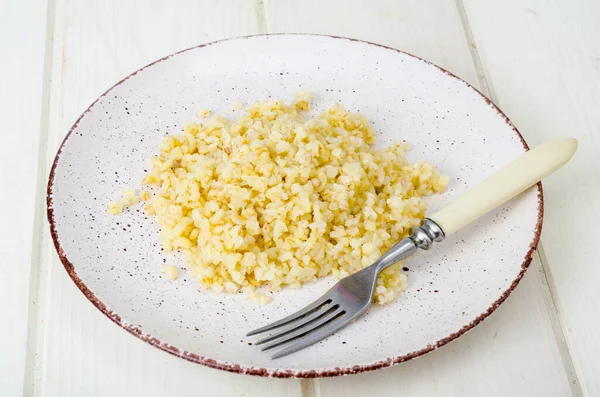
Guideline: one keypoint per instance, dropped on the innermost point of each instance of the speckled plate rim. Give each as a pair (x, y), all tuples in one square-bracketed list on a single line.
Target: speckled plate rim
[(277, 373)]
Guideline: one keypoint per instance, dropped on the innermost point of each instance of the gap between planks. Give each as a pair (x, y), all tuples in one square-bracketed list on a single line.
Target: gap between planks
[(545, 276), (310, 388), (261, 15), (35, 275), (549, 291)]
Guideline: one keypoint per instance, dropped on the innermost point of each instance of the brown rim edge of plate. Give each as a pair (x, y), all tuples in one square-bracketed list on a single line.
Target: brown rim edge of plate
[(276, 373)]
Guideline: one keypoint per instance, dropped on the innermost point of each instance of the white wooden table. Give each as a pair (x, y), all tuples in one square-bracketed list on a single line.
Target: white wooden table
[(538, 60)]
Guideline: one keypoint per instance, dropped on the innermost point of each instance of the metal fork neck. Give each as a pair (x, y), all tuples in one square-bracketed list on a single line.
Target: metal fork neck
[(421, 237), (428, 233)]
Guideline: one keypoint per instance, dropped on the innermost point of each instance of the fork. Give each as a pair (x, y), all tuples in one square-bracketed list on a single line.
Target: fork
[(352, 295)]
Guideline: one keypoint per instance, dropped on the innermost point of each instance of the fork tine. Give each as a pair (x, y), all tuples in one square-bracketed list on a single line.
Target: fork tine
[(306, 330), (300, 323), (292, 317), (313, 337)]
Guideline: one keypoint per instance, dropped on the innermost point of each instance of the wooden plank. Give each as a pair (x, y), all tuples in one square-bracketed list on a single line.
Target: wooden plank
[(543, 58), (429, 29), (517, 342), (96, 43), (22, 64)]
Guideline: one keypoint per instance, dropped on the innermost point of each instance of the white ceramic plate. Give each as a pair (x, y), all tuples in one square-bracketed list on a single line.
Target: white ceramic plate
[(115, 260)]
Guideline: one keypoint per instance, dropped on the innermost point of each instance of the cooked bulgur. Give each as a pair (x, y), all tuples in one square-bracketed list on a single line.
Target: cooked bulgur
[(279, 199)]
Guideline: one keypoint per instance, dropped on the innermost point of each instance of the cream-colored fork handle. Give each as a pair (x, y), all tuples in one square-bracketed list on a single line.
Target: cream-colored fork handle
[(505, 184)]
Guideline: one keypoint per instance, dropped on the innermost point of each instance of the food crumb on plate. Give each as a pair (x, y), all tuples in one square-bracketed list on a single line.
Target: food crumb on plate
[(144, 195), (259, 298), (203, 113), (129, 198), (170, 271), (115, 207)]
